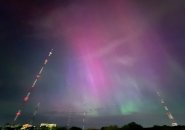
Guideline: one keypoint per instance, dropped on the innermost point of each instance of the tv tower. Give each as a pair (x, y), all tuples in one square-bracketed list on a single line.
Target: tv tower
[(26, 98), (83, 120), (168, 113), (35, 113), (69, 120)]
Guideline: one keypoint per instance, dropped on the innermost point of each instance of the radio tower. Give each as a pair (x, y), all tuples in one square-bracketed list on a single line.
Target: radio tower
[(35, 113), (69, 120), (83, 120), (26, 98), (168, 113)]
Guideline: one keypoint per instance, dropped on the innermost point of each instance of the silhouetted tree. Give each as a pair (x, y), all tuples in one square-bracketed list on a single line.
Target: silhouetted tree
[(61, 128), (92, 129), (43, 128), (132, 126), (112, 127), (75, 128)]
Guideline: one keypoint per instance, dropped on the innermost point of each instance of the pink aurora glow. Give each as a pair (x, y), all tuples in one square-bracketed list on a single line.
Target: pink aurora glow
[(114, 54)]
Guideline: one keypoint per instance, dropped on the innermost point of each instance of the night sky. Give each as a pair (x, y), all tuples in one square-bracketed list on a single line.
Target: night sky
[(110, 58)]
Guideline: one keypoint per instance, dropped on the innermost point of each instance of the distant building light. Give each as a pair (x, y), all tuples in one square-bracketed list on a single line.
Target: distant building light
[(174, 124), (48, 125), (26, 126)]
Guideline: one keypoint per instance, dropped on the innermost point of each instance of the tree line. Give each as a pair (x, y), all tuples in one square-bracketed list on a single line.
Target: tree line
[(130, 126)]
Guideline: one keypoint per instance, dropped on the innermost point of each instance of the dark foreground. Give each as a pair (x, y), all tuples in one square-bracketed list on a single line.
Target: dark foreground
[(130, 126)]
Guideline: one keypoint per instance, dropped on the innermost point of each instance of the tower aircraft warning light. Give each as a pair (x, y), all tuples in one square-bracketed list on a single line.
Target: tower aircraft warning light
[(26, 98)]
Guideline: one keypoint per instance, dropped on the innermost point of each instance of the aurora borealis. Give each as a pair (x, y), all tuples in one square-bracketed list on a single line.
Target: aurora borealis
[(110, 57)]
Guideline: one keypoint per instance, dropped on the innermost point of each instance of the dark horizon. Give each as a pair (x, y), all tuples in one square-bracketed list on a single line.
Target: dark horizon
[(129, 126)]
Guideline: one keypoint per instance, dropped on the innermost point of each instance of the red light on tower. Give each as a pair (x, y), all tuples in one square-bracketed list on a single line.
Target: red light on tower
[(38, 76), (26, 98), (18, 113)]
